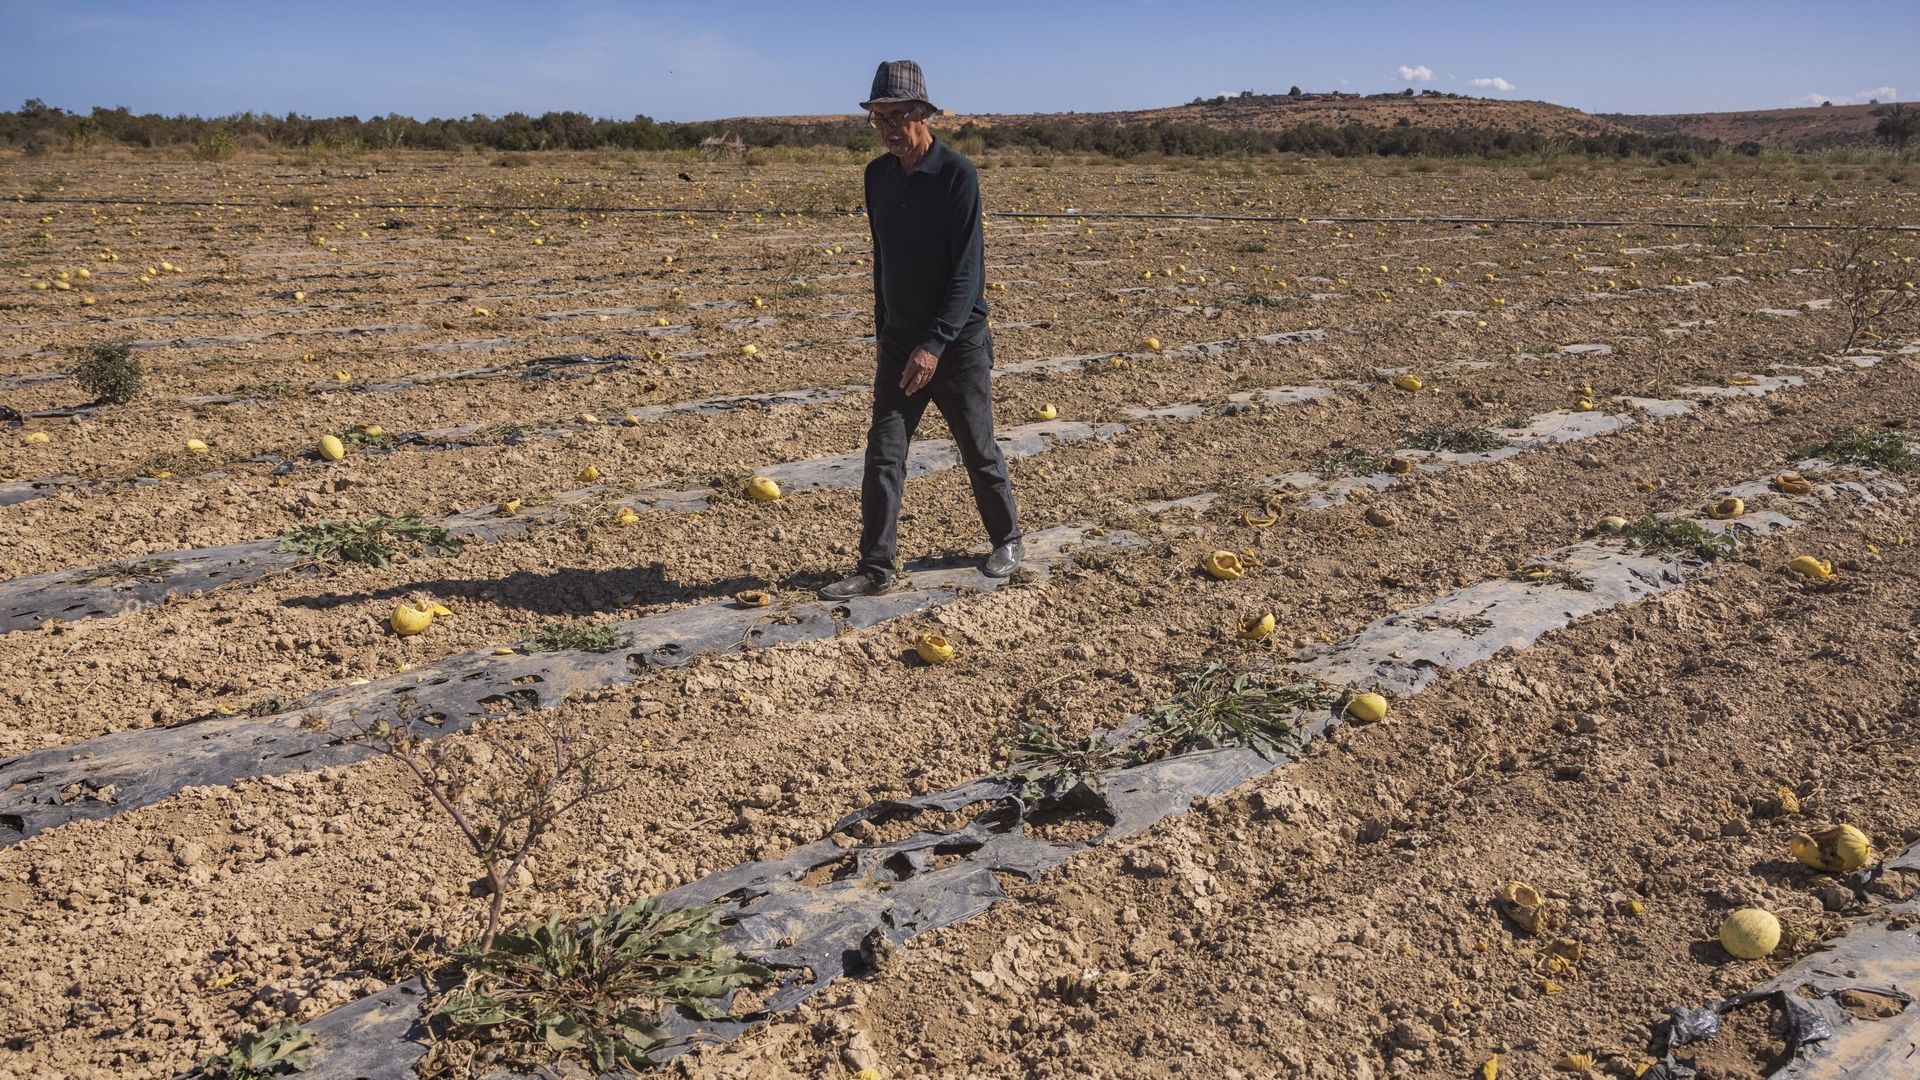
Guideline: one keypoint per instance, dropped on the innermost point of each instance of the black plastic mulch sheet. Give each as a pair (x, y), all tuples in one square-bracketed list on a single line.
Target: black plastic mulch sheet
[(807, 913), (28, 603), (115, 773), (1850, 1009)]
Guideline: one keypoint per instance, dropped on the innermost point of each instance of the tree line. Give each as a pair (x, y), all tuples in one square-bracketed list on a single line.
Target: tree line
[(37, 127)]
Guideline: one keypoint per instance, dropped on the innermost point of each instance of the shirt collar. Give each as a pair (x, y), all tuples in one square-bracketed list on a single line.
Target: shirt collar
[(936, 156)]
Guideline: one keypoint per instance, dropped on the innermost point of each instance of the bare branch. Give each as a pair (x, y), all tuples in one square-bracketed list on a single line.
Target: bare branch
[(501, 795)]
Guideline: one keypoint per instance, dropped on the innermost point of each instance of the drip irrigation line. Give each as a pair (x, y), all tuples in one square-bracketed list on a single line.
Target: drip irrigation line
[(1446, 220), (1070, 215)]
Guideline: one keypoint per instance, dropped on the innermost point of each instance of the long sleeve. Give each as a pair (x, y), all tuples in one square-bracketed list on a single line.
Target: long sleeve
[(969, 264), (879, 295)]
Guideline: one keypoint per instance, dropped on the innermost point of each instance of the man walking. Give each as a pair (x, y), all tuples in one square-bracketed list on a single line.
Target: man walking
[(930, 320)]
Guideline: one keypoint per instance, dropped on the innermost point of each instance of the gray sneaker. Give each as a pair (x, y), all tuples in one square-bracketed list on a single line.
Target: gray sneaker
[(859, 583)]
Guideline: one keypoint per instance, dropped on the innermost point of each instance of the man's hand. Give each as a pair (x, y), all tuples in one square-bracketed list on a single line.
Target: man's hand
[(919, 371)]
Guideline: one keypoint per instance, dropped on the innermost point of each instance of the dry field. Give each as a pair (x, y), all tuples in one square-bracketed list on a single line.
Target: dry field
[(195, 849)]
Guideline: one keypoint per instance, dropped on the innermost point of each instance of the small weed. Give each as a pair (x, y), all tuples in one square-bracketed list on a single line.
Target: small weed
[(149, 570), (560, 637), (508, 433), (1048, 763), (1216, 708), (1887, 450), (1470, 625), (1353, 461), (1517, 422), (1254, 299), (1462, 440), (597, 991), (272, 705), (1219, 708), (1724, 237), (369, 540), (109, 372), (278, 1051), (1554, 575), (273, 389), (1679, 534), (727, 481), (357, 437), (799, 290)]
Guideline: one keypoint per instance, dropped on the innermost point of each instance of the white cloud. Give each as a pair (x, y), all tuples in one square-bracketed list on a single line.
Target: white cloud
[(1495, 83), (1878, 93), (1420, 73)]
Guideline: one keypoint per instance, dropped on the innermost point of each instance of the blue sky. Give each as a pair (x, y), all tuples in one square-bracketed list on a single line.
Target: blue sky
[(688, 61)]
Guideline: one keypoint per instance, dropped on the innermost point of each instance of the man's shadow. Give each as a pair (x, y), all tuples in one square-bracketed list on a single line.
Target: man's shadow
[(561, 592), (572, 591)]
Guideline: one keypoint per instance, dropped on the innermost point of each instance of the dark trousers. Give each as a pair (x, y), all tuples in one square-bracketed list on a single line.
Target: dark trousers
[(962, 389)]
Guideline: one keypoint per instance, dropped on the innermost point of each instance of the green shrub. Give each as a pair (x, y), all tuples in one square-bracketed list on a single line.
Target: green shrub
[(215, 146), (109, 372)]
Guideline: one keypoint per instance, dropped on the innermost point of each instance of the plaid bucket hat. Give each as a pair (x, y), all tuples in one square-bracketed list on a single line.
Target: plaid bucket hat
[(898, 80)]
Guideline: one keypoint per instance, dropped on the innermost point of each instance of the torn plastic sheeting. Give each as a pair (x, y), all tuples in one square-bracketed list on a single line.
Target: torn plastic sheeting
[(1547, 429), (68, 596), (469, 345), (928, 456), (1405, 652), (934, 455), (114, 773), (1868, 488), (1761, 386), (1565, 426), (244, 339), (1657, 408), (1168, 412), (26, 603), (377, 1037), (587, 313), (1198, 504), (31, 378), (19, 491), (813, 932), (803, 396), (819, 395), (1282, 395), (544, 367), (414, 382), (1829, 1040)]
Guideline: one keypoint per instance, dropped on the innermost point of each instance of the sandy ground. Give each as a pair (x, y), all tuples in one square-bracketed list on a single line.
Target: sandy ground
[(1334, 919)]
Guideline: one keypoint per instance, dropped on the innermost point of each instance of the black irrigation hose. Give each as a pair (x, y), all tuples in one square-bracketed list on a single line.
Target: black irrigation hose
[(1146, 215)]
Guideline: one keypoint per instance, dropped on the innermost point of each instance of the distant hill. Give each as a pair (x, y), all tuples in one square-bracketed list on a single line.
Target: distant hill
[(1823, 127), (1281, 112), (1783, 129), (1273, 112)]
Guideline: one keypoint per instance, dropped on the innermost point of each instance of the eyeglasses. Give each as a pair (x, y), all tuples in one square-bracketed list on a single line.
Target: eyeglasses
[(899, 119)]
